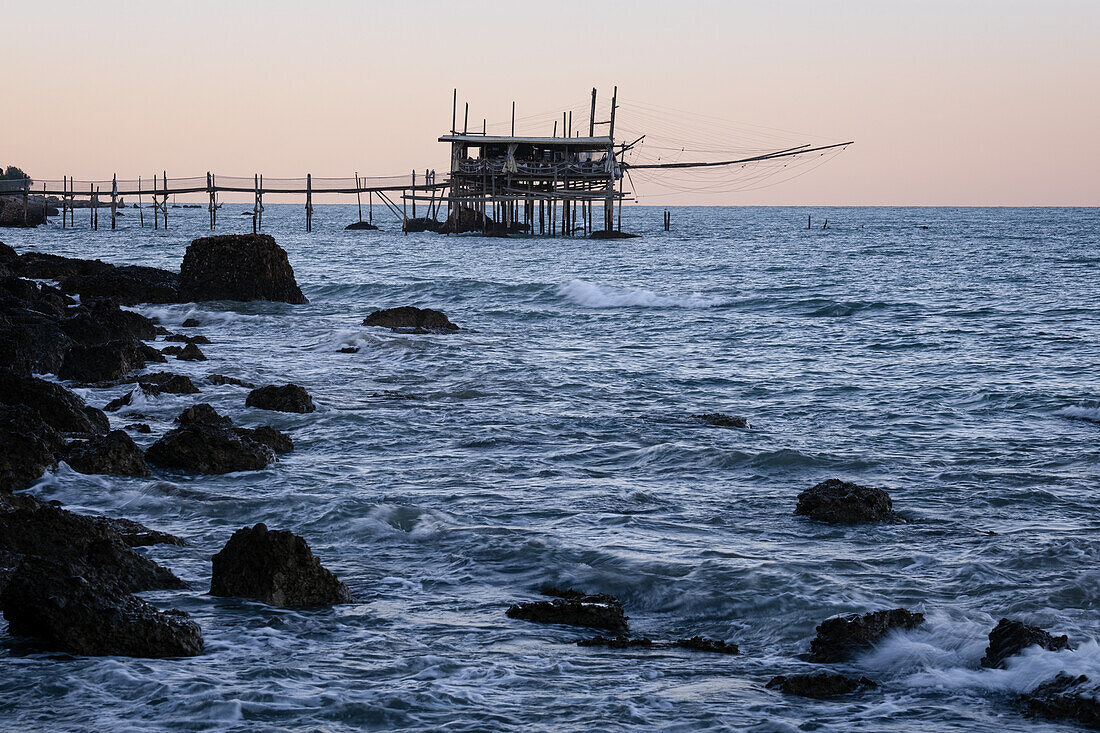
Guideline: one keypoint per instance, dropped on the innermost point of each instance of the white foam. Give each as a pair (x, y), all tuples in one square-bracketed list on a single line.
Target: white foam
[(1081, 412), (592, 295)]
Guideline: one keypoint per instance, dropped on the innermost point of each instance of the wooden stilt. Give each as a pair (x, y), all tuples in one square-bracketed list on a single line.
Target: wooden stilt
[(114, 200), (309, 202), (358, 194), (256, 203), (164, 205), (141, 208)]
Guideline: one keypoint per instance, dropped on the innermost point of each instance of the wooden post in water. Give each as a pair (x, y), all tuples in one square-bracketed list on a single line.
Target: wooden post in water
[(156, 212), (358, 193), (255, 202), (370, 202), (210, 197), (141, 209), (114, 199), (309, 202), (513, 118), (592, 116), (809, 221), (164, 188), (260, 221), (26, 198), (414, 192)]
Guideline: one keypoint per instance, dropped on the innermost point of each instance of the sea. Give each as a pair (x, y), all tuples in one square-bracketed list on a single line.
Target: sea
[(950, 356)]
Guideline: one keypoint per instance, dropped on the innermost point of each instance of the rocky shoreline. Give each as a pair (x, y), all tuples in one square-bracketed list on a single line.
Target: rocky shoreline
[(68, 581)]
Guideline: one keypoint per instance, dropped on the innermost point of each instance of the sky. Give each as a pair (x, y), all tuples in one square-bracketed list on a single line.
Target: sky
[(949, 103)]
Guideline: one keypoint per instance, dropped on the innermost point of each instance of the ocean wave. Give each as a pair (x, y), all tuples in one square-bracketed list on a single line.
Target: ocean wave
[(592, 295), (1080, 412)]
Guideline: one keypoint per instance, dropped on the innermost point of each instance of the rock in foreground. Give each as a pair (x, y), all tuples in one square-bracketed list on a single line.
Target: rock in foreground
[(276, 567), (820, 685), (285, 398), (114, 453), (1012, 637), (841, 502), (238, 267), (409, 319), (1066, 698), (841, 636), (599, 611), (209, 450)]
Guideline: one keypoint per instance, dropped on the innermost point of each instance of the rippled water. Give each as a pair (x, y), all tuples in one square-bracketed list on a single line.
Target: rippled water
[(949, 356)]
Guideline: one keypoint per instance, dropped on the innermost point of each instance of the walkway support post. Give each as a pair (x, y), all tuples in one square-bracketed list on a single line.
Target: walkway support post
[(309, 202), (114, 200)]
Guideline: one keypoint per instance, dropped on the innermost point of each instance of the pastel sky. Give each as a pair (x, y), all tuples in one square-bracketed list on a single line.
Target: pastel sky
[(976, 102)]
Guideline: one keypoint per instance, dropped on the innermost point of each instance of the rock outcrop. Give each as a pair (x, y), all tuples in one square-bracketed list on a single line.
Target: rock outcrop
[(129, 284), (285, 398), (238, 267), (841, 502), (114, 453), (841, 636), (106, 361), (721, 420), (276, 567), (1010, 637), (409, 319), (208, 450), (30, 446), (573, 608), (1066, 697), (819, 685), (56, 406), (191, 353), (703, 644)]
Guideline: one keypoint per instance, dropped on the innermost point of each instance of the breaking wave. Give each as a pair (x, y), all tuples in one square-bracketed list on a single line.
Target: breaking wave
[(592, 295)]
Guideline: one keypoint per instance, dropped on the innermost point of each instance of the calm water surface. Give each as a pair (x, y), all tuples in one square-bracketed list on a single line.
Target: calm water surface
[(947, 355)]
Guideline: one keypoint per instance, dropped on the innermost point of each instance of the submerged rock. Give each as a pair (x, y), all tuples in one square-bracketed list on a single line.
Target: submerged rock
[(611, 234), (360, 226), (720, 420), (220, 379), (617, 642), (703, 644), (185, 339), (841, 636), (139, 427), (819, 685), (285, 398), (1010, 637), (841, 502), (1066, 697), (276, 567), (56, 603), (410, 319), (114, 453), (191, 353), (190, 323), (238, 267), (573, 608)]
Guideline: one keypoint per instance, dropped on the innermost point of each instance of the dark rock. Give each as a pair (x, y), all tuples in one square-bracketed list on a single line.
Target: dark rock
[(114, 453), (221, 379), (44, 266), (842, 502), (348, 350), (360, 225), (30, 446), (119, 402), (161, 330), (209, 450), (287, 398), (203, 414), (409, 319), (266, 435), (99, 320), (1009, 638), (719, 420), (31, 341), (191, 353), (184, 338), (172, 350), (238, 267), (276, 567), (158, 382), (1066, 698), (7, 254), (58, 407), (599, 611), (139, 427), (819, 685), (841, 636), (464, 220), (128, 284), (36, 296), (421, 224), (616, 642), (135, 534), (104, 362), (57, 604), (703, 644), (190, 323), (612, 234)]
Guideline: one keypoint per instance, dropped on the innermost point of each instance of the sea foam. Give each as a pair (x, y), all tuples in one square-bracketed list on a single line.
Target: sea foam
[(593, 295)]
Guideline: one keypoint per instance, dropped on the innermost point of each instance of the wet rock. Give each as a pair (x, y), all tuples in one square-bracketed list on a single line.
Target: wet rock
[(57, 604), (572, 608), (114, 453), (1010, 637), (841, 636), (107, 361), (44, 266), (31, 342), (221, 379), (703, 644), (464, 220), (348, 350), (119, 402), (285, 398), (184, 338), (360, 225), (100, 320), (819, 685), (30, 446), (421, 224), (129, 284), (611, 234), (191, 353), (56, 406), (209, 450), (203, 414), (136, 534), (719, 420), (617, 642), (139, 427), (35, 296), (841, 502), (158, 382), (274, 439), (238, 267), (190, 323), (172, 350), (276, 567), (1066, 697), (409, 319)]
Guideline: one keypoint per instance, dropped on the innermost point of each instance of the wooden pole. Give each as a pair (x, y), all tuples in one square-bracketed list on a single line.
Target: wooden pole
[(370, 200), (260, 219), (592, 116), (156, 214), (26, 198), (359, 195), (309, 202), (164, 180), (454, 111), (466, 118), (414, 192), (513, 118), (45, 205), (255, 202), (114, 199), (141, 209)]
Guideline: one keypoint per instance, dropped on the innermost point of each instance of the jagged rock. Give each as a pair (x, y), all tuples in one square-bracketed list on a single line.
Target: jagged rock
[(139, 427), (819, 685), (56, 603), (13, 213), (1066, 698), (44, 266), (58, 407), (203, 414), (573, 608), (136, 534), (360, 225), (703, 644), (129, 284), (30, 446), (30, 527), (31, 341), (7, 254), (114, 453), (119, 402), (221, 379), (421, 224), (107, 361), (841, 636), (238, 267), (191, 353), (190, 323), (1010, 637), (35, 296), (157, 382), (616, 642), (409, 319), (172, 350), (210, 450), (285, 398), (348, 350), (841, 502), (274, 439), (184, 338), (719, 420), (100, 320), (276, 567)]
